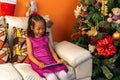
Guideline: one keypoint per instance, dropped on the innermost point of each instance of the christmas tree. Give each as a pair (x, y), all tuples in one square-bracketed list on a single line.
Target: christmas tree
[(98, 30)]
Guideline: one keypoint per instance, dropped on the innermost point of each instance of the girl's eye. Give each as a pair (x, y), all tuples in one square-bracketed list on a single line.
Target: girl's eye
[(40, 28)]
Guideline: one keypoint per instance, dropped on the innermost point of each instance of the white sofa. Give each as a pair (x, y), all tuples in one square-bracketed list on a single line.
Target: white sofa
[(77, 59)]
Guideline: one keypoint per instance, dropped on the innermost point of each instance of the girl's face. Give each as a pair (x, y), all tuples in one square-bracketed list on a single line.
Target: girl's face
[(38, 29)]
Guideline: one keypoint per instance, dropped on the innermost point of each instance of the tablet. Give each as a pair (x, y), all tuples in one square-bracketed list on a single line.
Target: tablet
[(52, 64)]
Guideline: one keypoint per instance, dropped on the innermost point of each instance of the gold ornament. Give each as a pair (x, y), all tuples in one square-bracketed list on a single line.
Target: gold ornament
[(116, 35), (92, 32), (104, 8)]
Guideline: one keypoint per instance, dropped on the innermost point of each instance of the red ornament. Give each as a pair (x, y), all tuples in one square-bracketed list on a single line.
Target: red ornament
[(105, 47)]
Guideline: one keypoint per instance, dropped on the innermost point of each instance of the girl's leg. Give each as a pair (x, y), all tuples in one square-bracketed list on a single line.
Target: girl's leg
[(50, 76), (62, 75)]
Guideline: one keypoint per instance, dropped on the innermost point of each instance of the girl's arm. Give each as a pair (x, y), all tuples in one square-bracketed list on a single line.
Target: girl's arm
[(30, 54), (54, 54)]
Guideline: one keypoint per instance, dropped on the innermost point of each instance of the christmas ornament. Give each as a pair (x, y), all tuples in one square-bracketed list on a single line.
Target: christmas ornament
[(77, 11), (92, 32), (105, 47), (114, 16), (104, 8), (91, 48), (116, 35)]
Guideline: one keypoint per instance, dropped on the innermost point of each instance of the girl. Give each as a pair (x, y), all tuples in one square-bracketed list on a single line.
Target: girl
[(40, 51)]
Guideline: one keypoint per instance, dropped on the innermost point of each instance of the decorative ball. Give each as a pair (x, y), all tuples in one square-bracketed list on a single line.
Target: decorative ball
[(116, 35)]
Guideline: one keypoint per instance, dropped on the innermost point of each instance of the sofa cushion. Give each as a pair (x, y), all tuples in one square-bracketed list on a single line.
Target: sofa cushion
[(19, 45), (8, 72), (27, 72), (71, 73), (72, 53), (4, 47)]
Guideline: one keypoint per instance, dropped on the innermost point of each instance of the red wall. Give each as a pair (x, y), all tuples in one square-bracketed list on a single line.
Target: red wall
[(60, 11)]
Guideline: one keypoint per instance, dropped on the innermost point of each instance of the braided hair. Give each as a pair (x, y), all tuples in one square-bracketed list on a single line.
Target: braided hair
[(31, 22)]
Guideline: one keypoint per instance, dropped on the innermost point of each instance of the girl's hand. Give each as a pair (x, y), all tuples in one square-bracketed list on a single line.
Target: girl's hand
[(41, 65), (60, 61)]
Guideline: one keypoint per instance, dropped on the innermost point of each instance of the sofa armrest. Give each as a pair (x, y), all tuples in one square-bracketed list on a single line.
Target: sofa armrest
[(71, 53)]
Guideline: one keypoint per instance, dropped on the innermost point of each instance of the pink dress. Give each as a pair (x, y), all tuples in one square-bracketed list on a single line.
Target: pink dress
[(42, 53)]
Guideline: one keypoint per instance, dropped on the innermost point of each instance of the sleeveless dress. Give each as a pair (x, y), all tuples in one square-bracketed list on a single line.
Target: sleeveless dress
[(42, 53)]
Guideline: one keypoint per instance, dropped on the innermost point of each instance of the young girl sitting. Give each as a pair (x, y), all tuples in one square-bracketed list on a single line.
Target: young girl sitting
[(40, 51)]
